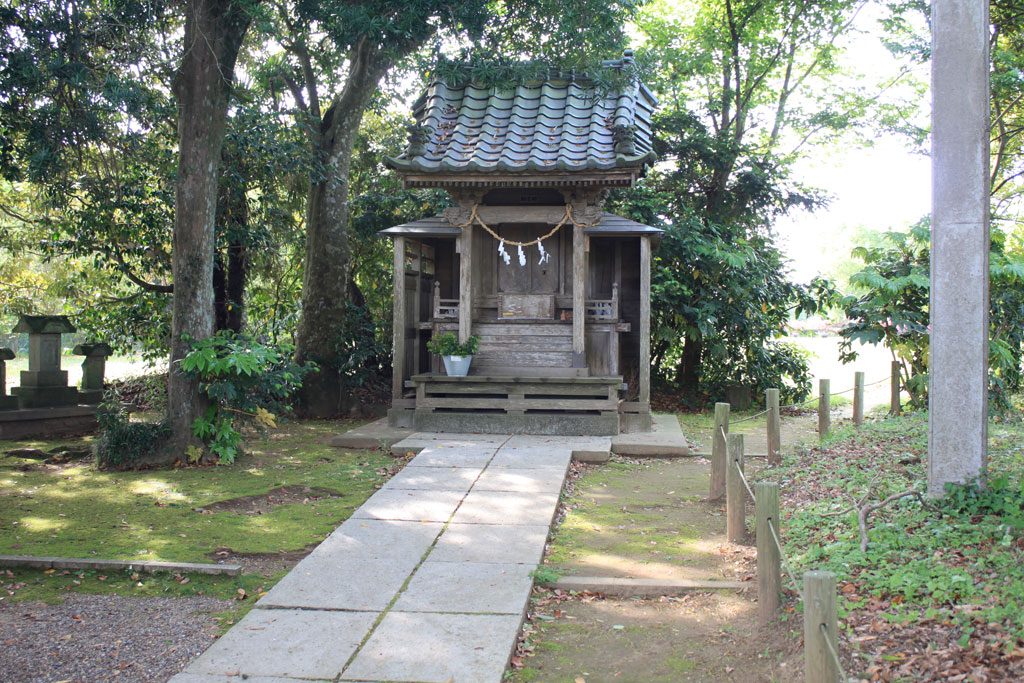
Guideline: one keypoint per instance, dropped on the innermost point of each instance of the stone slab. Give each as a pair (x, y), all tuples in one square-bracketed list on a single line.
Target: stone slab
[(93, 563), (467, 587), (15, 424), (532, 457), (211, 678), (362, 566), (507, 508), (568, 424), (375, 435), (437, 648), (491, 543), (289, 643), (643, 587), (539, 480), (469, 456), (434, 479), (412, 506), (666, 440)]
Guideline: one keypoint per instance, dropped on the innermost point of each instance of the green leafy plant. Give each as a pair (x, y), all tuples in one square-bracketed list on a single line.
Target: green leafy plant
[(244, 380), (123, 444), (447, 344), (891, 308)]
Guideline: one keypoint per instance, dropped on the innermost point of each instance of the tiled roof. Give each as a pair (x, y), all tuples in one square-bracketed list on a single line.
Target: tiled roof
[(560, 124)]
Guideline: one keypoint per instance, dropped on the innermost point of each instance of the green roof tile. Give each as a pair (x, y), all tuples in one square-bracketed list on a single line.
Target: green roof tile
[(561, 124)]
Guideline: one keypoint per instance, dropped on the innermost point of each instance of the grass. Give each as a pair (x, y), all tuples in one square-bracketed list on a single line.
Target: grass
[(954, 567), (76, 510)]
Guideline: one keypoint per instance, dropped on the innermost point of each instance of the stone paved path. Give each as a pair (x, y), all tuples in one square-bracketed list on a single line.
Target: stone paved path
[(427, 581)]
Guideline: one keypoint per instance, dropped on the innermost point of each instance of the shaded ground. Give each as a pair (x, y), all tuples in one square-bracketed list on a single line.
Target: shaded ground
[(265, 512), (90, 638), (699, 637)]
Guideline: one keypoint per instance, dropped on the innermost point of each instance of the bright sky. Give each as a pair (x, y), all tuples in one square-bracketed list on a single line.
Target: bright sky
[(884, 186)]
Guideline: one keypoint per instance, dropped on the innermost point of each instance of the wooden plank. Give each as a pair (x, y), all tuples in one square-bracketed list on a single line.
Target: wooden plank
[(537, 329), (523, 359), (645, 320), (466, 283), (417, 305), (504, 378), (499, 387), (398, 320), (579, 279), (517, 404), (526, 306)]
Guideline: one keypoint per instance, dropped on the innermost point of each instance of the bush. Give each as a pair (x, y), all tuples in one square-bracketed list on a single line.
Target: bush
[(447, 344), (244, 380), (123, 444)]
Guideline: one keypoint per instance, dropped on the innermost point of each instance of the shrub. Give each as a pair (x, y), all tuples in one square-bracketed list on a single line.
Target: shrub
[(447, 344), (123, 444), (245, 380)]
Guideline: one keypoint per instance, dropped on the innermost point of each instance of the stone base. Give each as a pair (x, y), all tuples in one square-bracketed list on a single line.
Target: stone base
[(636, 423), (547, 424), (45, 397), (665, 441), (400, 418), (47, 422), (377, 434), (90, 397), (57, 379), (8, 402)]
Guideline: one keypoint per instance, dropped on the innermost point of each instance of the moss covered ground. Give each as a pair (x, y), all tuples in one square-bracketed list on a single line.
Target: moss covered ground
[(187, 514)]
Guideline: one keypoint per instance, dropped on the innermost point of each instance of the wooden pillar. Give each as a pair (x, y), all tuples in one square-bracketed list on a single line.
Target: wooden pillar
[(579, 293), (398, 324), (821, 631), (858, 398), (718, 451), (895, 407), (466, 283), (645, 320), (774, 428), (824, 408), (769, 575), (735, 495)]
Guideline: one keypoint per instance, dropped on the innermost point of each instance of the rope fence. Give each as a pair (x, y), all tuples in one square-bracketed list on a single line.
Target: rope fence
[(817, 592)]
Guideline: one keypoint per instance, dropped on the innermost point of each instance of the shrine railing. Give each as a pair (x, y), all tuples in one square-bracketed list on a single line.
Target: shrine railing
[(444, 309), (603, 309)]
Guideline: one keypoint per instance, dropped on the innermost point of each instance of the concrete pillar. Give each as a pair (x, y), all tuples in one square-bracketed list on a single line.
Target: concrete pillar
[(958, 396)]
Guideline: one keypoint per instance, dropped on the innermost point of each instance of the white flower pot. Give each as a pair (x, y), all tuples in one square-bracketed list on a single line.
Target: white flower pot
[(457, 366)]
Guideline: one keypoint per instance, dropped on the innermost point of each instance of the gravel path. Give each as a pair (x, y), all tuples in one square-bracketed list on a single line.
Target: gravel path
[(91, 638)]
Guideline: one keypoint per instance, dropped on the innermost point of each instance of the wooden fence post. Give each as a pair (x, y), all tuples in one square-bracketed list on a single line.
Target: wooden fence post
[(824, 408), (735, 493), (718, 452), (894, 389), (771, 399), (858, 398), (820, 610), (769, 561)]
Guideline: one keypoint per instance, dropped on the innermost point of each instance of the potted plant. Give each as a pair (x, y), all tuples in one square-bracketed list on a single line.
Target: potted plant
[(457, 357)]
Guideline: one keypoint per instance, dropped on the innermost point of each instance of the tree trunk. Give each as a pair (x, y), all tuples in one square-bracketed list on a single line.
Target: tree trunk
[(688, 375), (213, 34), (230, 268), (328, 253)]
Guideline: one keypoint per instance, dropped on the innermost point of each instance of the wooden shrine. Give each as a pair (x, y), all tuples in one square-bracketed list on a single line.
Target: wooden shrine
[(556, 289)]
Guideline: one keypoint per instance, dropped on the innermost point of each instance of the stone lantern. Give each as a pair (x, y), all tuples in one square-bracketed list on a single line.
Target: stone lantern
[(6, 402), (44, 384), (93, 369)]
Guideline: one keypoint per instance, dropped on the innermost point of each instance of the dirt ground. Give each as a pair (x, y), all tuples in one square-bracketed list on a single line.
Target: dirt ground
[(651, 519)]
